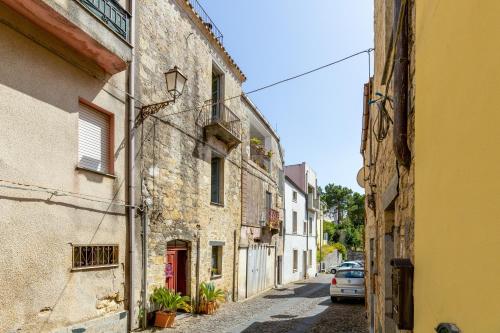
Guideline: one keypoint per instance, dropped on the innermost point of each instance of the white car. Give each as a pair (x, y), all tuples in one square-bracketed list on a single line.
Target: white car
[(345, 264), (348, 283)]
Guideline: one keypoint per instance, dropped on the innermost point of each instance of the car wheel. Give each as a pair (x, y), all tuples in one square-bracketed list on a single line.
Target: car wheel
[(333, 271), (333, 299)]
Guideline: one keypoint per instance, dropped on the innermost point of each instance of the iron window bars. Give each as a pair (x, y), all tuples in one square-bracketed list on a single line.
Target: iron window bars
[(94, 256)]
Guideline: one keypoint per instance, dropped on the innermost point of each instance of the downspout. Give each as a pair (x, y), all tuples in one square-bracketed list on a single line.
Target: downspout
[(145, 223), (131, 169), (400, 84)]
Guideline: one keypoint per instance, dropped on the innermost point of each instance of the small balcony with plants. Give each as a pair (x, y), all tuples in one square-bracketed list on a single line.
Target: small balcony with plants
[(259, 154), (219, 121)]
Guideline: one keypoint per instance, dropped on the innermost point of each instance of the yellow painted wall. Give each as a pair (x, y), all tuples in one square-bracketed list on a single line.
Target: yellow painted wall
[(457, 229)]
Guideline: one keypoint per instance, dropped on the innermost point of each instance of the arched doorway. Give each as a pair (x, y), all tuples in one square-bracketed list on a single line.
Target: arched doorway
[(177, 266)]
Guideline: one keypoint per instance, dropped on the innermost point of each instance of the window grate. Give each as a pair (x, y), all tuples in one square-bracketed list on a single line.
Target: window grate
[(92, 256)]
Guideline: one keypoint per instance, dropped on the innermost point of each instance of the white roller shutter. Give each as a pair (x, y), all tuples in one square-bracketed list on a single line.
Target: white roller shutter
[(93, 131)]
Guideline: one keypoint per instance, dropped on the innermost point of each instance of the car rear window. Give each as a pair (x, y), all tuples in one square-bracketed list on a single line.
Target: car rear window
[(350, 274)]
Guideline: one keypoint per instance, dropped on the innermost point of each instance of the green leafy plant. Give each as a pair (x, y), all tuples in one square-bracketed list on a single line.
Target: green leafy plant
[(209, 293), (255, 141), (270, 153), (169, 301)]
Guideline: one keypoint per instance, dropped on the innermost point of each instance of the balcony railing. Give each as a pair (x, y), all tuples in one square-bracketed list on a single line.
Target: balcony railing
[(207, 21), (218, 120), (111, 13), (273, 219)]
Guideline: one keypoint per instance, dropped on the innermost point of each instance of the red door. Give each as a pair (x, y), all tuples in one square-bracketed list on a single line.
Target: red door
[(171, 270)]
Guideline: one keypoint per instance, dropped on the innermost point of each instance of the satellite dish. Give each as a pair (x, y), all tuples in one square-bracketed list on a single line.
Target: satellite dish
[(360, 178)]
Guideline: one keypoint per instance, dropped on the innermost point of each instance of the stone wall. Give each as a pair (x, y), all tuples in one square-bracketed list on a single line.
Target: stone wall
[(390, 225), (174, 153)]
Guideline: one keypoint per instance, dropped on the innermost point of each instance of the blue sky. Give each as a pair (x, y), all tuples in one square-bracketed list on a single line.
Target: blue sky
[(318, 117)]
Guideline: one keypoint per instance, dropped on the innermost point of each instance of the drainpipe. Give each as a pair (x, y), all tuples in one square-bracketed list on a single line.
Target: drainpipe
[(400, 84), (131, 169), (198, 269), (145, 223), (235, 252)]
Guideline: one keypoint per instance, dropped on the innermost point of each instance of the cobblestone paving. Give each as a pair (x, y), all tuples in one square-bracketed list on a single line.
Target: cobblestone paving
[(298, 307)]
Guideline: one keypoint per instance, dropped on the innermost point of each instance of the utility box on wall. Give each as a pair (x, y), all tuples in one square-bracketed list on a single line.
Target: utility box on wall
[(402, 284)]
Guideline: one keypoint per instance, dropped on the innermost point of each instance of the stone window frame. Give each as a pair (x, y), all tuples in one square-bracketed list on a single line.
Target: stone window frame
[(218, 247), (294, 196)]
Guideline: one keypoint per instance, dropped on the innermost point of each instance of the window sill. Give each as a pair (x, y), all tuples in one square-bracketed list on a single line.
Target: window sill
[(216, 204), (78, 269), (216, 276), (79, 168)]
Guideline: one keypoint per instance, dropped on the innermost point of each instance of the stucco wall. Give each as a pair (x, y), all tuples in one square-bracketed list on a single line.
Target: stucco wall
[(298, 241), (457, 140), (39, 146)]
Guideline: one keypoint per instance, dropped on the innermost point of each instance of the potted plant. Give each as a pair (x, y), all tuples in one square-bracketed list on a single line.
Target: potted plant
[(209, 297), (168, 301)]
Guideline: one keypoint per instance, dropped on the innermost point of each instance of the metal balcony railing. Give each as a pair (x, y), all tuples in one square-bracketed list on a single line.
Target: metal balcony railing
[(111, 13), (219, 114), (207, 21), (273, 218)]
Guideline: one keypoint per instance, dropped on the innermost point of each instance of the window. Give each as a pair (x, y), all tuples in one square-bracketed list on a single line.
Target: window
[(93, 256), (350, 274), (294, 196), (95, 138), (304, 229), (310, 259), (310, 226), (217, 176), (294, 222), (295, 260), (217, 96), (269, 200), (216, 267)]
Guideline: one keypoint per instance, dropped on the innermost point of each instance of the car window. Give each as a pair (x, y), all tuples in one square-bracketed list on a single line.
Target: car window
[(350, 274)]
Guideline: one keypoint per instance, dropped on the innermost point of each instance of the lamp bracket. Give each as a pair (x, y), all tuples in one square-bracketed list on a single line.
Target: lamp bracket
[(151, 109)]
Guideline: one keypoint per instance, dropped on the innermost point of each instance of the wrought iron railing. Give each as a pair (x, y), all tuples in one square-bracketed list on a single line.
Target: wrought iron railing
[(219, 114), (111, 13), (207, 21), (273, 218), (90, 256)]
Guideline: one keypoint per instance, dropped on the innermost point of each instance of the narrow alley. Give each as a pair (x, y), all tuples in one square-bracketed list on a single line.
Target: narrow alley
[(297, 307)]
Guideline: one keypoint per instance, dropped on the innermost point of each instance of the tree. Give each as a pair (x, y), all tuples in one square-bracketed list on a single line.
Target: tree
[(349, 207), (336, 198)]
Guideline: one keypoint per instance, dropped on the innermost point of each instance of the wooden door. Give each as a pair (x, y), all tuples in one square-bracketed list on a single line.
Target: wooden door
[(171, 270)]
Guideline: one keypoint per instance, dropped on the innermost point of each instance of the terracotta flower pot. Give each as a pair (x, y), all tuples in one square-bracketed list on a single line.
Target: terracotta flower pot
[(208, 308), (164, 319)]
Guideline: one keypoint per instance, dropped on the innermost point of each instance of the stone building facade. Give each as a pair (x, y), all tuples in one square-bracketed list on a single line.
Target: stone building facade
[(389, 186), (260, 248), (63, 244), (190, 152)]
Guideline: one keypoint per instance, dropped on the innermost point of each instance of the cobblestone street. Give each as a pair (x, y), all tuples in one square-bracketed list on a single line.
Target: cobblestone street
[(298, 307)]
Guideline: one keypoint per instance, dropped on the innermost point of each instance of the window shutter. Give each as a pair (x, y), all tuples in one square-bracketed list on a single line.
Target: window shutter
[(215, 180), (93, 137)]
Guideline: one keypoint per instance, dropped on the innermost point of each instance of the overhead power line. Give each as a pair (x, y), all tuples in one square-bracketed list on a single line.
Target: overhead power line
[(280, 81)]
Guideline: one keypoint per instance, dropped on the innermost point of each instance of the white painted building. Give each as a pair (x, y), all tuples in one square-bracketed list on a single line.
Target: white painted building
[(301, 214)]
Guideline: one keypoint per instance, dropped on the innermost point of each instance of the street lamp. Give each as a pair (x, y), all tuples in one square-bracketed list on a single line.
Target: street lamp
[(176, 82)]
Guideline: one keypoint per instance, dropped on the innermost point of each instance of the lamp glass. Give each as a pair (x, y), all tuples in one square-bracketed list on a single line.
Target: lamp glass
[(175, 82)]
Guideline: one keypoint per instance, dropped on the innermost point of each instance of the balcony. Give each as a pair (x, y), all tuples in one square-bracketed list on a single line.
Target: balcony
[(96, 29), (312, 203), (110, 13), (273, 219), (220, 122)]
